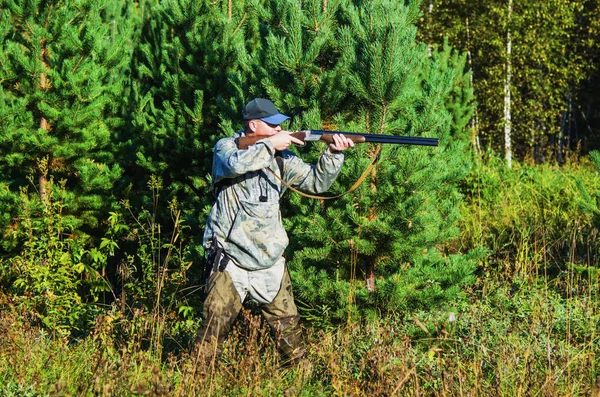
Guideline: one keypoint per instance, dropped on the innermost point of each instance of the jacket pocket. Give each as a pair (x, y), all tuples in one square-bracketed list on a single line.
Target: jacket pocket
[(257, 238)]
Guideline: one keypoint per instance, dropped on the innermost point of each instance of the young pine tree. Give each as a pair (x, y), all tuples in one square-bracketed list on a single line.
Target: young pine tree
[(189, 86), (301, 68), (380, 249), (62, 79), (62, 73)]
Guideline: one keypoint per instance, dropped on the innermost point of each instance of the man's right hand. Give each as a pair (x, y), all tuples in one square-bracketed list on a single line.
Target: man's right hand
[(282, 140)]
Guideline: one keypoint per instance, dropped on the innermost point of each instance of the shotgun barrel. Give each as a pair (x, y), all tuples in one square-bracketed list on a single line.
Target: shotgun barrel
[(327, 136)]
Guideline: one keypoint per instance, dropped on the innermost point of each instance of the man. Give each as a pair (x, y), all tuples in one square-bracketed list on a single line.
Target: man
[(244, 235)]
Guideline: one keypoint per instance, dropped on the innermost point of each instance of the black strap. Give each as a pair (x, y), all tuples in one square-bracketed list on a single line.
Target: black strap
[(217, 187), (279, 160), (224, 261)]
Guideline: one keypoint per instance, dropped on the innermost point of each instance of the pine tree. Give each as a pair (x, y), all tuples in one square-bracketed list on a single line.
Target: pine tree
[(190, 85), (389, 233), (302, 67), (62, 73)]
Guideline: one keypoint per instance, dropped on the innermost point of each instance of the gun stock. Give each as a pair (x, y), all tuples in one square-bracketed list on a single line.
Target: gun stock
[(327, 136)]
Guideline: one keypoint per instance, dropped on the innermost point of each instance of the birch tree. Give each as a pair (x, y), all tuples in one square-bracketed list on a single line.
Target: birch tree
[(550, 56), (507, 93)]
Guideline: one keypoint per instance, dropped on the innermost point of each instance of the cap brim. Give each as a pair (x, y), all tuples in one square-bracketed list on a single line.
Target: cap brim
[(275, 119)]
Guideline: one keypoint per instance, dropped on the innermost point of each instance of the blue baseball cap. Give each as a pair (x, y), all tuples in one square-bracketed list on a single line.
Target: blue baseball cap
[(263, 109)]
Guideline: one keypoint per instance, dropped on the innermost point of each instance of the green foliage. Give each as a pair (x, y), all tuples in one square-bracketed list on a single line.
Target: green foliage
[(48, 275), (460, 101), (504, 338), (390, 231), (97, 99), (150, 308), (531, 217), (590, 203), (312, 59), (188, 86), (62, 73), (66, 281), (302, 68), (109, 111), (554, 51)]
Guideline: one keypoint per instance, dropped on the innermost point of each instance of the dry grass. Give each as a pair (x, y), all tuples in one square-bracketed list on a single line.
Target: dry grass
[(529, 327), (524, 340)]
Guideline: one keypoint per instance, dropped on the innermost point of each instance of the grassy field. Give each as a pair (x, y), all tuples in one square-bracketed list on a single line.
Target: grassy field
[(509, 339), (527, 327)]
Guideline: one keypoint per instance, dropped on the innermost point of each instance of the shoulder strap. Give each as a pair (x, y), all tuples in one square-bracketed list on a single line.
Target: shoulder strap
[(216, 187), (279, 160)]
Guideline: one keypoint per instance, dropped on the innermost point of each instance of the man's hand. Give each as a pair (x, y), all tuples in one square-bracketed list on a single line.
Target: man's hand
[(282, 140), (340, 143)]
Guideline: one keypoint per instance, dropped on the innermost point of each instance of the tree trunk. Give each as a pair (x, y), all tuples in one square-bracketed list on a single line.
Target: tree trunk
[(507, 114), (44, 125), (370, 279), (430, 46), (564, 148), (475, 120)]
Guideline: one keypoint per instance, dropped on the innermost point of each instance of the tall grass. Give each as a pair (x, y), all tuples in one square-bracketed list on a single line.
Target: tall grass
[(531, 217), (529, 327), (525, 340)]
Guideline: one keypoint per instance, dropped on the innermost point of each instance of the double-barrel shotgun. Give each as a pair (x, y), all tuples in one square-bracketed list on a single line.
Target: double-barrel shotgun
[(327, 136)]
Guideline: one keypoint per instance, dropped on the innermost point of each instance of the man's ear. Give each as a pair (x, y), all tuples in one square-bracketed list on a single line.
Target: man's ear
[(252, 125)]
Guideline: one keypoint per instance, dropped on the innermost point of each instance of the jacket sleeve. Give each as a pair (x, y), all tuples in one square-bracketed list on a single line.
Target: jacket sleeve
[(312, 178), (230, 162)]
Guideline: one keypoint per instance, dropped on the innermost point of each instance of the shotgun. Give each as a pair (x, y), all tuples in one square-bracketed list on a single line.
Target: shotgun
[(327, 136)]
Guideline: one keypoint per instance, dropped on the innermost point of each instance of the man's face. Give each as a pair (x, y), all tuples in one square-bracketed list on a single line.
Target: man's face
[(261, 128)]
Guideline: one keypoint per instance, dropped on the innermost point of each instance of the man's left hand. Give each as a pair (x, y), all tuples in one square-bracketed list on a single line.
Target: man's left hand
[(340, 143)]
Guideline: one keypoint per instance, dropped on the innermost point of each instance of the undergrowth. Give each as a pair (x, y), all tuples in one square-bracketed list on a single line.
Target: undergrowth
[(524, 339), (528, 326)]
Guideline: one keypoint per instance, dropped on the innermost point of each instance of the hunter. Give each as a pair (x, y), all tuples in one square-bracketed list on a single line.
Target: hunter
[(244, 236)]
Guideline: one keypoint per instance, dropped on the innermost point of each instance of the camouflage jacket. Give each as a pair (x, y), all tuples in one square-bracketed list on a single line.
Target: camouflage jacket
[(245, 218)]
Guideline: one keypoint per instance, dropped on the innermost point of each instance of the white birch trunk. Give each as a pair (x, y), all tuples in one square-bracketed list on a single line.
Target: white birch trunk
[(475, 120), (430, 46), (507, 115)]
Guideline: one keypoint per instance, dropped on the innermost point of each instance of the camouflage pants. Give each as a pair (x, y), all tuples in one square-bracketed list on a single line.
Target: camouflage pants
[(223, 304)]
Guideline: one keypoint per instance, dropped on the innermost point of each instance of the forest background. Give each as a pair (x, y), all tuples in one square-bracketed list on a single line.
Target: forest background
[(468, 268)]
